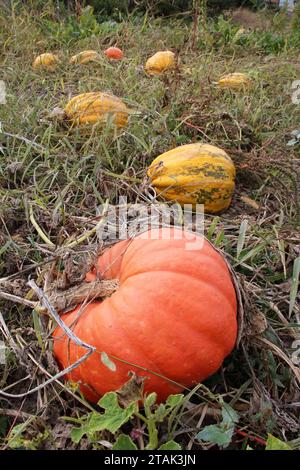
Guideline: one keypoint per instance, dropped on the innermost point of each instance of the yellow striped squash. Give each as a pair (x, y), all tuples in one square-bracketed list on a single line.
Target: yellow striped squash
[(46, 61), (97, 107), (160, 62), (84, 57), (194, 174), (234, 81)]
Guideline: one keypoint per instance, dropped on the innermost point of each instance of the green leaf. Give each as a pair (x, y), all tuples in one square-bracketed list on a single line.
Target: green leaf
[(160, 413), (295, 285), (78, 433), (212, 227), (252, 253), (124, 442), (170, 445), (242, 236), (229, 415), (221, 434), (219, 237), (281, 249), (174, 400), (15, 439), (273, 443), (113, 418), (5, 247), (163, 410), (150, 400), (107, 362), (38, 329), (216, 435)]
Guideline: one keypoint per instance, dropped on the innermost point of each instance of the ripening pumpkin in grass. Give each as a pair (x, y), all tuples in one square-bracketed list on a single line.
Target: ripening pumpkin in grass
[(160, 63), (46, 61), (194, 174), (92, 108), (234, 81), (114, 53), (174, 313), (85, 57)]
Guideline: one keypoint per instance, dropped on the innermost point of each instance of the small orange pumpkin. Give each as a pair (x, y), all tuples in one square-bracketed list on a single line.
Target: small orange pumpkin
[(114, 53), (174, 313)]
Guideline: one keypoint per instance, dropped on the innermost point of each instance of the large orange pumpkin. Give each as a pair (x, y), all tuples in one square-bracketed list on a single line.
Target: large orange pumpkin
[(174, 313)]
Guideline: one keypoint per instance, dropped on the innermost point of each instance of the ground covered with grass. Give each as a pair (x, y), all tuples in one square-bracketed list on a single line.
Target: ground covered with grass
[(53, 180)]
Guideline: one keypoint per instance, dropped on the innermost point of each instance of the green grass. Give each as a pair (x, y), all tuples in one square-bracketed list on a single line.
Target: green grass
[(62, 177)]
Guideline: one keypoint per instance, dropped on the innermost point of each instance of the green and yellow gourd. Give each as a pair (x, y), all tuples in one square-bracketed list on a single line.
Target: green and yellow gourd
[(195, 174), (92, 108), (235, 81), (85, 57), (160, 62), (46, 61)]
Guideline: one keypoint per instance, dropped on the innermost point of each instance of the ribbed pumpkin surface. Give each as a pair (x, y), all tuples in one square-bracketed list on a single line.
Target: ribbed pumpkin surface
[(84, 57), (174, 313), (160, 62), (234, 81), (97, 107), (194, 173), (47, 61)]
